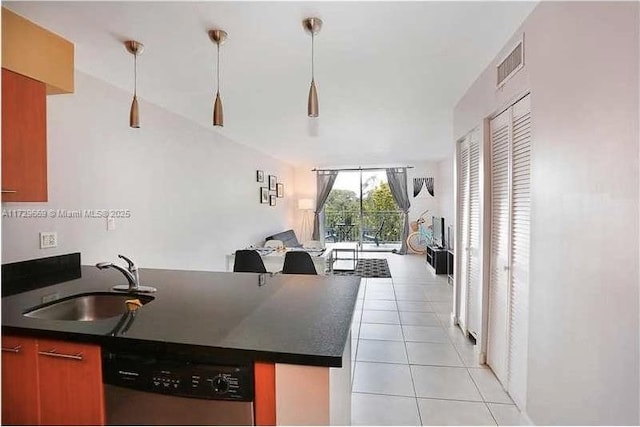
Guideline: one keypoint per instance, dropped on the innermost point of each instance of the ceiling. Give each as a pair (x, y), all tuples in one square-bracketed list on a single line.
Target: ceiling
[(388, 74)]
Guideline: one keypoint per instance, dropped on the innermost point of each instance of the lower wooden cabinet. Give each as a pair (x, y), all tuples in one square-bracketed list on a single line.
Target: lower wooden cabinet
[(70, 377), (20, 396), (60, 383)]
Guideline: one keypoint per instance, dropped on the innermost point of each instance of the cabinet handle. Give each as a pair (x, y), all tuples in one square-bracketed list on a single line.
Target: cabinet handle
[(9, 191), (53, 353), (15, 349)]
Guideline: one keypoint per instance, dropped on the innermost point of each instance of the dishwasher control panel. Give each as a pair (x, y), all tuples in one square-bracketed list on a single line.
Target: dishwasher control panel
[(179, 378)]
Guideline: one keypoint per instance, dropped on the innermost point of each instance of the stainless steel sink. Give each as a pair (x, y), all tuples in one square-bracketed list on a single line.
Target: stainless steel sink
[(86, 307)]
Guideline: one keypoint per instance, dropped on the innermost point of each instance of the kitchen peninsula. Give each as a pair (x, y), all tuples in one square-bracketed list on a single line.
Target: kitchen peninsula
[(293, 331)]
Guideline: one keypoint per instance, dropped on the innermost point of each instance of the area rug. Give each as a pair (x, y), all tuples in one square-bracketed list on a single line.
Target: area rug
[(368, 267)]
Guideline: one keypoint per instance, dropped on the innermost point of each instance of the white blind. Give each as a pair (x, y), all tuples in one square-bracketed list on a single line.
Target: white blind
[(463, 225), (497, 343), (520, 222), (474, 298)]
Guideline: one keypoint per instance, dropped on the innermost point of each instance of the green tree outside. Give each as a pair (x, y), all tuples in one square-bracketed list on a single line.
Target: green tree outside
[(343, 206), (378, 205)]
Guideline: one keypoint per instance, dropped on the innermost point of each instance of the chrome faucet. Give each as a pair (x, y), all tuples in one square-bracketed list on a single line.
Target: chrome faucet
[(133, 270), (131, 273)]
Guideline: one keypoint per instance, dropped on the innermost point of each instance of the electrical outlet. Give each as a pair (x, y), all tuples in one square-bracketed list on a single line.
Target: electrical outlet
[(48, 239)]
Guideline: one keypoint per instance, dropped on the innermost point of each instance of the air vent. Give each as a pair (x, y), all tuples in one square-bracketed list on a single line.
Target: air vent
[(511, 64)]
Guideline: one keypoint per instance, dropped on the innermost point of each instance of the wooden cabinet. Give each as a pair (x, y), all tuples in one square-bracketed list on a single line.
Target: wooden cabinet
[(24, 139), (62, 385), (20, 403), (264, 405), (71, 389), (36, 52)]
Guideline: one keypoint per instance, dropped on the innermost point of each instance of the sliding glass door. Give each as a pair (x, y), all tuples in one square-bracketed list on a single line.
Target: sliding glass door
[(360, 208)]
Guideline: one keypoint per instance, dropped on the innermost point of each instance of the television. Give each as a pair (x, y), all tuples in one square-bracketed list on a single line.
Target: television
[(438, 230)]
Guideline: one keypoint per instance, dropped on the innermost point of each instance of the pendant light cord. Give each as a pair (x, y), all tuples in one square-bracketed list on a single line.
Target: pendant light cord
[(135, 74), (312, 55), (218, 68)]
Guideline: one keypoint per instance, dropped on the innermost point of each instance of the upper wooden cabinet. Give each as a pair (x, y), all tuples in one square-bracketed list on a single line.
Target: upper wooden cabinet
[(24, 139), (36, 52), (35, 62)]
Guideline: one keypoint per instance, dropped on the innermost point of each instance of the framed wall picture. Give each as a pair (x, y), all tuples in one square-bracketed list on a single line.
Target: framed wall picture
[(280, 190), (423, 187), (260, 176), (272, 200), (264, 195), (272, 182)]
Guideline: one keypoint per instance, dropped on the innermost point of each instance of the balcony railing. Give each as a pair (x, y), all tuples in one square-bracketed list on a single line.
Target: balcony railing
[(345, 226)]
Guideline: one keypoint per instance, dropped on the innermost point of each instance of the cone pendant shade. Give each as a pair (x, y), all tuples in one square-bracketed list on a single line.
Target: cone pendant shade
[(312, 104), (135, 48), (312, 26), (218, 116), (134, 116), (218, 37)]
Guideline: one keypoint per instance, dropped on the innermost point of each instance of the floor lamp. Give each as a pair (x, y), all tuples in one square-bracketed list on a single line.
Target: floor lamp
[(306, 206)]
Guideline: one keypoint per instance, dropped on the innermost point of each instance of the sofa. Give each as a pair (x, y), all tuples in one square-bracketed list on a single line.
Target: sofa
[(288, 238)]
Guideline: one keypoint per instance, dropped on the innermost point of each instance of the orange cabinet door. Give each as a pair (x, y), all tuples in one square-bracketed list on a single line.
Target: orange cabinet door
[(264, 405), (24, 139), (20, 405), (70, 380)]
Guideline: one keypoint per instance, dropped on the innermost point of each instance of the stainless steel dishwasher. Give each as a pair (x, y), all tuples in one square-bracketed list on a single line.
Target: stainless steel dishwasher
[(142, 390)]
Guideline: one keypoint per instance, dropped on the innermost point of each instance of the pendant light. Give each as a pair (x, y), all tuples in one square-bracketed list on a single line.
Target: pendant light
[(135, 48), (312, 26), (218, 37)]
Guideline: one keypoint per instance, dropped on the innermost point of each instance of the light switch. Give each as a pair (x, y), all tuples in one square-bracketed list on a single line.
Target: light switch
[(48, 239), (111, 223)]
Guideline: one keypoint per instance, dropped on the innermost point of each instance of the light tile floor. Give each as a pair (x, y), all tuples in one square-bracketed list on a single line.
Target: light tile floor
[(410, 366)]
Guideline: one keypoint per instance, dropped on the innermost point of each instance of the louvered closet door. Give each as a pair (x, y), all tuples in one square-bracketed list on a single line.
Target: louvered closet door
[(463, 225), (520, 212), (498, 342), (474, 298)]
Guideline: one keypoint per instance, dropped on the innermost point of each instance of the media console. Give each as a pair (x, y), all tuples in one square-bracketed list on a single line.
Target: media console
[(437, 258)]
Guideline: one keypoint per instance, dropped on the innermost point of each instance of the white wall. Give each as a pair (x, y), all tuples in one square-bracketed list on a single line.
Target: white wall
[(581, 65), (192, 193), (446, 202), (305, 188), (424, 201)]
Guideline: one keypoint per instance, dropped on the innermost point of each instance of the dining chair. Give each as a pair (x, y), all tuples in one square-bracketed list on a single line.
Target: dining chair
[(298, 262), (248, 261), (376, 234)]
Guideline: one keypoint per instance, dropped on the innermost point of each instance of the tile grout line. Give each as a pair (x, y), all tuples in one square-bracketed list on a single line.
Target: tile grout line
[(404, 341), (481, 395), (452, 343), (355, 355), (471, 376), (412, 364), (409, 281), (426, 342), (428, 398)]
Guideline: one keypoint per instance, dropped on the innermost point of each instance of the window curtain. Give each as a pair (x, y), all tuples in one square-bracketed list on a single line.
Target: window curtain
[(397, 178), (325, 181)]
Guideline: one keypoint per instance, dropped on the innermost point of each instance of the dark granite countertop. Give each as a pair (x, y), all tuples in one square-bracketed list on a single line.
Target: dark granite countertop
[(209, 317)]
